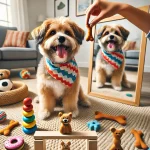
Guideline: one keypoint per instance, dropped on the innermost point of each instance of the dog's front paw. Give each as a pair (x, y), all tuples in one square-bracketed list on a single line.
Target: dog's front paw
[(117, 88), (75, 113), (99, 84), (85, 102), (44, 114)]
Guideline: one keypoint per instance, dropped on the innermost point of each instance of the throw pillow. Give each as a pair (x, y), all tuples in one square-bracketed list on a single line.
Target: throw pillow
[(129, 45), (16, 39)]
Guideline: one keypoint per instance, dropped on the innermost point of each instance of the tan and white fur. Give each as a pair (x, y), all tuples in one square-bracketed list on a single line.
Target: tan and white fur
[(54, 33), (117, 35)]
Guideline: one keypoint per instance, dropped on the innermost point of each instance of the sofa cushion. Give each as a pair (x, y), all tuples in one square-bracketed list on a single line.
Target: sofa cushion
[(17, 53), (132, 54), (3, 31), (16, 39)]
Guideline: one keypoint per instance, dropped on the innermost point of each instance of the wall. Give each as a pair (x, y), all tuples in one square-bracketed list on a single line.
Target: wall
[(35, 8), (84, 54)]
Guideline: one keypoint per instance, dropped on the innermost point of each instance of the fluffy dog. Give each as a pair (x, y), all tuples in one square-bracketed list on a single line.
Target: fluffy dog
[(57, 75), (110, 62)]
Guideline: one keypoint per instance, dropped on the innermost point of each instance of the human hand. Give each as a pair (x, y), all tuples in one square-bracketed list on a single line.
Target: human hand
[(101, 9)]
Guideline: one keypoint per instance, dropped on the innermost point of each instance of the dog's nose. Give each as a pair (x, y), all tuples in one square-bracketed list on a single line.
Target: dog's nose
[(1, 74), (111, 37), (4, 84), (61, 39)]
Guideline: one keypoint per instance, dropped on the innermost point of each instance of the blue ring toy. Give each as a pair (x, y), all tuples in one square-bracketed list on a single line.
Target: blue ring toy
[(28, 119), (29, 131)]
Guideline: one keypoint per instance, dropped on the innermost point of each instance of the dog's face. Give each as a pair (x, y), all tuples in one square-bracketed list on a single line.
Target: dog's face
[(65, 118), (65, 146), (112, 38), (59, 39)]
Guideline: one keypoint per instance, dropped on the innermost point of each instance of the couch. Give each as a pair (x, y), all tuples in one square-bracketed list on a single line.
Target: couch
[(18, 57)]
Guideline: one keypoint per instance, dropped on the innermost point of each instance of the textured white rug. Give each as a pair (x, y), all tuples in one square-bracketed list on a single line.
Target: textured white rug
[(137, 117)]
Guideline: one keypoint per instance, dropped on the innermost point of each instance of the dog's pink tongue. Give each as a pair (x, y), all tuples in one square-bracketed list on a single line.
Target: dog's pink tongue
[(61, 52), (111, 45)]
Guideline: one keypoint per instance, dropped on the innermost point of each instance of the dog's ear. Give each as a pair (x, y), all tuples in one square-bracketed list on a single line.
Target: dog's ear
[(101, 31), (7, 72), (69, 143), (125, 33), (122, 130), (79, 33), (112, 129), (60, 114), (39, 32), (62, 143), (70, 114)]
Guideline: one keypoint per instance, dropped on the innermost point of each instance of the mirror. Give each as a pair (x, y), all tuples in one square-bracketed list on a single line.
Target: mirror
[(117, 60)]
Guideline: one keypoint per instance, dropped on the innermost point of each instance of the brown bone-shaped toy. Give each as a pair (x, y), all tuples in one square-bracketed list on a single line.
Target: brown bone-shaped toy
[(89, 36), (139, 143), (6, 131), (119, 119)]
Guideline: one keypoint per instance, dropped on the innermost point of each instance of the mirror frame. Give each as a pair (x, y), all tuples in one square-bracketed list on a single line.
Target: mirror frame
[(140, 66)]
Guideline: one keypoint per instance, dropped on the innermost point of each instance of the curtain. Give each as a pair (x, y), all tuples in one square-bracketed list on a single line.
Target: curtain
[(19, 13)]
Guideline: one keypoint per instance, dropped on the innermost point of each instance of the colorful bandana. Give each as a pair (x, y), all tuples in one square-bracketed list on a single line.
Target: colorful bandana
[(115, 59), (66, 73)]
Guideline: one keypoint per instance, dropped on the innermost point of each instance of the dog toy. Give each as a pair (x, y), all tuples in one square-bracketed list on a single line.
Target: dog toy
[(65, 120), (94, 125), (25, 74), (4, 74), (14, 143), (2, 116), (5, 85), (139, 143), (29, 123), (6, 131), (119, 119), (117, 134), (89, 36), (129, 95), (65, 146)]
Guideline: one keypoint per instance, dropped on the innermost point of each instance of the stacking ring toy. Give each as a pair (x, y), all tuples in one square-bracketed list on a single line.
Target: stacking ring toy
[(27, 107), (2, 116), (29, 125), (27, 101), (28, 114), (14, 143), (29, 131), (28, 119)]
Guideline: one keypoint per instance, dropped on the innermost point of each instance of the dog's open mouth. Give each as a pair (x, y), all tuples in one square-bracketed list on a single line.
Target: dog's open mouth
[(111, 43), (61, 50)]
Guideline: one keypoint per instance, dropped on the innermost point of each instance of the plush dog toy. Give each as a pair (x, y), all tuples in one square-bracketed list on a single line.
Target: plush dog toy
[(5, 83), (65, 146), (117, 134), (65, 120)]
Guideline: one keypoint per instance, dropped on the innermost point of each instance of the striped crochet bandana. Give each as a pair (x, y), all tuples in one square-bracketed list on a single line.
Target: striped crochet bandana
[(115, 59), (66, 73)]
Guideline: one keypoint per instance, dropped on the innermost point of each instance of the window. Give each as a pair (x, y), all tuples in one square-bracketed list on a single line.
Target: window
[(5, 15)]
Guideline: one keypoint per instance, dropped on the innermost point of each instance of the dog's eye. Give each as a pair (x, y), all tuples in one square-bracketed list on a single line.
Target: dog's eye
[(67, 33), (117, 33), (53, 32), (106, 33)]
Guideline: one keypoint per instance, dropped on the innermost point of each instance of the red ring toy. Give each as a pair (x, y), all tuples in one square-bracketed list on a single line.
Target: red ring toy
[(28, 108), (27, 101)]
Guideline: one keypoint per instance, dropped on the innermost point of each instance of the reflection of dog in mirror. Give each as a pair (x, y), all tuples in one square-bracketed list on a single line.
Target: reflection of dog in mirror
[(58, 75), (110, 62)]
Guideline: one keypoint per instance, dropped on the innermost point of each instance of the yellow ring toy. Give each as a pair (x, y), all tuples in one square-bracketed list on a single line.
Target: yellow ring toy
[(29, 125), (28, 114)]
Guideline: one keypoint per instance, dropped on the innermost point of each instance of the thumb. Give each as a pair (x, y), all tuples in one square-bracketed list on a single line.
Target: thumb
[(96, 19)]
